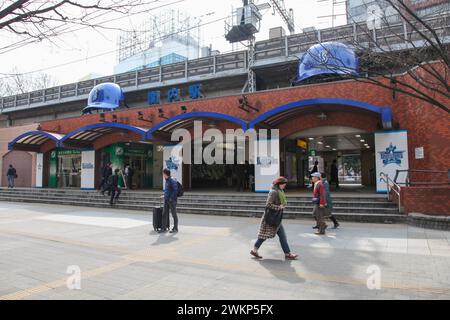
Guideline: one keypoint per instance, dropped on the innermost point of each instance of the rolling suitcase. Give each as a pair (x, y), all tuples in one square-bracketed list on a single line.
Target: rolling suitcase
[(158, 219)]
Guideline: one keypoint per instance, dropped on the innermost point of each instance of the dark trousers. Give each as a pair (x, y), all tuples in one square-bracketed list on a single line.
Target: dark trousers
[(172, 206), (115, 193), (105, 186), (319, 214), (130, 182), (335, 181), (283, 240)]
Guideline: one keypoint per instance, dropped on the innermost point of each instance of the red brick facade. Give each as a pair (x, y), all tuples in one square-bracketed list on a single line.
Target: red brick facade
[(433, 200), (427, 126)]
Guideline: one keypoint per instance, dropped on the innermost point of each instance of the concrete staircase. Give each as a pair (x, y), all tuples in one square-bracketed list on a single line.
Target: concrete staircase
[(355, 207)]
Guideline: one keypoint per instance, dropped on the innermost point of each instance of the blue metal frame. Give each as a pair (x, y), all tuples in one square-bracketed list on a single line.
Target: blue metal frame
[(385, 112), (137, 130), (213, 115), (36, 132)]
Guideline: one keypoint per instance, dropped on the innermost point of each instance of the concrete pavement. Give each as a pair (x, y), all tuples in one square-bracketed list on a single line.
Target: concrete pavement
[(43, 246)]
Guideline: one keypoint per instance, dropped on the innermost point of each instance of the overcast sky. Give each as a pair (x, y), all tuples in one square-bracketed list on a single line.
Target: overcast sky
[(83, 44)]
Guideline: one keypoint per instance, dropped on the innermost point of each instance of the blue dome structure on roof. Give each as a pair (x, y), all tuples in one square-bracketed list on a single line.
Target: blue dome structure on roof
[(105, 96), (328, 58)]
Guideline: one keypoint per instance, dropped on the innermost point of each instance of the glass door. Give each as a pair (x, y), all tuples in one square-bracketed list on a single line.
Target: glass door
[(69, 171)]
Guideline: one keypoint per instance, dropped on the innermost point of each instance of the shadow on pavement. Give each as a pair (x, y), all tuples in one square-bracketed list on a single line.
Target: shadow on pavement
[(164, 238), (282, 270)]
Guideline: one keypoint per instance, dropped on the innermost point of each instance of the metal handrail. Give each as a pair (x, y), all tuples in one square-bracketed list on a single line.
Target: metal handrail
[(408, 182), (392, 186)]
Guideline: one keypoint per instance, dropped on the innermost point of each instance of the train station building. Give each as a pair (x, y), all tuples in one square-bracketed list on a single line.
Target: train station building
[(369, 130)]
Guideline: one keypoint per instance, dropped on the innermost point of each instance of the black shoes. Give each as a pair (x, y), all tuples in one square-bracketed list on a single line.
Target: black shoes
[(173, 231)]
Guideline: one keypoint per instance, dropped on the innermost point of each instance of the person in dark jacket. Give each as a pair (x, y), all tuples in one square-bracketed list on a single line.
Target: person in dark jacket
[(129, 172), (114, 187), (276, 200), (334, 174), (11, 174), (314, 169), (170, 201), (106, 174)]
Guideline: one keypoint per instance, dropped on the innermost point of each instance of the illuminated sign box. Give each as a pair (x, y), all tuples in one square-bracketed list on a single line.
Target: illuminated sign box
[(302, 144)]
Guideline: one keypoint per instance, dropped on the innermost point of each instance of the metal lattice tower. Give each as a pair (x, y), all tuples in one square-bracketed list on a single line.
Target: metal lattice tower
[(287, 16), (244, 24), (169, 24)]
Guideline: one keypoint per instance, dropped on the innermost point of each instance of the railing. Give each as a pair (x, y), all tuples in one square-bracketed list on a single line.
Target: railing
[(392, 186), (430, 181), (398, 36)]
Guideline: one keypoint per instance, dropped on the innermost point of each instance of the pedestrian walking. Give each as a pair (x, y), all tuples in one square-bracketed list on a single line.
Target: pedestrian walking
[(334, 174), (240, 176), (314, 169), (11, 174), (329, 207), (319, 202), (106, 174), (170, 201), (129, 172), (275, 204), (114, 188)]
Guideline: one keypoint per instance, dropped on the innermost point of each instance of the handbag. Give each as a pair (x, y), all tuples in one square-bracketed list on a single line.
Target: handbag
[(273, 217)]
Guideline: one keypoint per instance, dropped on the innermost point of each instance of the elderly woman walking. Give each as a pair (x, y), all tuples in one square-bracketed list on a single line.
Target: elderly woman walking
[(271, 222)]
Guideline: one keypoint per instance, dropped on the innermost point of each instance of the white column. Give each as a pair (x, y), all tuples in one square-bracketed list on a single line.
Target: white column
[(173, 160), (39, 169), (267, 163), (391, 152), (88, 170)]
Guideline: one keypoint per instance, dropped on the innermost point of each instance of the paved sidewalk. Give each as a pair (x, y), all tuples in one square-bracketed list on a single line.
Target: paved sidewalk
[(120, 257)]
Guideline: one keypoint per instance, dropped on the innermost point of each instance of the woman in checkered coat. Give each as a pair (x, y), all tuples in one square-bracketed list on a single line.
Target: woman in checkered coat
[(276, 200)]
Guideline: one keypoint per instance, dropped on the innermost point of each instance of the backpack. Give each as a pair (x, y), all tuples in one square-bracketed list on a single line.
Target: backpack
[(179, 189)]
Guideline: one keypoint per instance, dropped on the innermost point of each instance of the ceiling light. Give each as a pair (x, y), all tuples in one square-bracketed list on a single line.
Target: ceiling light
[(310, 139), (328, 146), (362, 140), (334, 149), (358, 136), (320, 142)]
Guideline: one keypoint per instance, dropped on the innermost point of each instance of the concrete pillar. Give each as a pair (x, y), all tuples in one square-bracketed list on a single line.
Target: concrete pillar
[(88, 170), (39, 170)]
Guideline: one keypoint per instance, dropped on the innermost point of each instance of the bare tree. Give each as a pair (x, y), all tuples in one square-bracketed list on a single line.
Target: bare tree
[(396, 39), (20, 83), (38, 20)]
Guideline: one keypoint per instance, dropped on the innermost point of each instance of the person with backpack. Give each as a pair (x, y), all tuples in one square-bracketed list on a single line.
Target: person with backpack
[(173, 189), (271, 222), (11, 175)]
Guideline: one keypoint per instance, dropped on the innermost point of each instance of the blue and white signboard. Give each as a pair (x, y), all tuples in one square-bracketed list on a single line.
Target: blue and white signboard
[(173, 160), (88, 170), (391, 152), (267, 163)]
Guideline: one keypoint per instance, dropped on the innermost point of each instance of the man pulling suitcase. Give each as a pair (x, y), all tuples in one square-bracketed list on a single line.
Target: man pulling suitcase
[(171, 193)]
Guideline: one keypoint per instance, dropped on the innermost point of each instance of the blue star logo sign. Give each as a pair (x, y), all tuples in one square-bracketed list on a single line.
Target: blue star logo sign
[(172, 163), (391, 155)]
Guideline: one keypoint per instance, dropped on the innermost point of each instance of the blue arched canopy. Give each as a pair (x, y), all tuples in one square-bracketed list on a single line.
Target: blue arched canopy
[(33, 140), (283, 112), (88, 134), (184, 119)]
